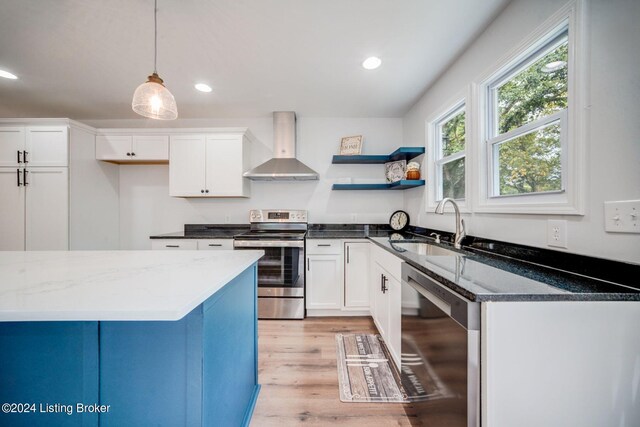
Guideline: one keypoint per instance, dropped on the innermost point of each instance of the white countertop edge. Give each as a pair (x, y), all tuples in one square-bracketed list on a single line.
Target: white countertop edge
[(125, 315)]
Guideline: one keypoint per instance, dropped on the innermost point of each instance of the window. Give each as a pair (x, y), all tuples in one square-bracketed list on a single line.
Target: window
[(527, 109), (527, 145), (449, 147)]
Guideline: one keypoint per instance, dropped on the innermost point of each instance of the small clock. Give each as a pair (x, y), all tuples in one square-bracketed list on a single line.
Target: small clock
[(399, 220)]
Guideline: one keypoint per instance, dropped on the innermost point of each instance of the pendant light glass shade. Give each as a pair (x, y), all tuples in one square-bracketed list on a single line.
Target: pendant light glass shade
[(153, 100)]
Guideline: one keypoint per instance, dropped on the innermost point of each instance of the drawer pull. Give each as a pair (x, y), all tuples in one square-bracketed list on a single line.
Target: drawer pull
[(172, 246), (324, 244), (215, 244)]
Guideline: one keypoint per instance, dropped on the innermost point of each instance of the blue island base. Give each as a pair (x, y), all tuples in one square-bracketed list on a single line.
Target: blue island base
[(197, 371)]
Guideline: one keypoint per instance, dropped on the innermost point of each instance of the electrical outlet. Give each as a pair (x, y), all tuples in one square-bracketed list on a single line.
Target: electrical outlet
[(622, 217), (227, 220), (354, 218), (557, 233)]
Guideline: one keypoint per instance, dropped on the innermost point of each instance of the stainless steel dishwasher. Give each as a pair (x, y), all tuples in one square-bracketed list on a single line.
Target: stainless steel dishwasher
[(440, 353)]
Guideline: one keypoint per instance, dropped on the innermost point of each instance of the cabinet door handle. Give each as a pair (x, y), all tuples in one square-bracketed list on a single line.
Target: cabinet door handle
[(215, 244), (18, 176), (24, 176), (384, 284), (206, 191), (128, 154), (308, 265), (381, 282), (202, 191), (347, 254), (24, 156), (133, 154), (172, 246), (324, 244), (19, 160)]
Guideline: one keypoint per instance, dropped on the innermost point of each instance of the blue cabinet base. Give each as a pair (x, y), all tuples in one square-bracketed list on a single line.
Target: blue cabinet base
[(197, 371)]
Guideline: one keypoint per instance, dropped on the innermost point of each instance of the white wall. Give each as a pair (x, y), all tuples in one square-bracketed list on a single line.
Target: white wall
[(93, 196), (146, 208), (613, 131)]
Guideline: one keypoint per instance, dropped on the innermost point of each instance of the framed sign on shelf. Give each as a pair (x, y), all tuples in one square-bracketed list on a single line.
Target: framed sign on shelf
[(351, 145)]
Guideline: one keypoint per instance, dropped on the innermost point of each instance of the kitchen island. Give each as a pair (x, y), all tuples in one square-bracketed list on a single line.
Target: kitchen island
[(128, 338)]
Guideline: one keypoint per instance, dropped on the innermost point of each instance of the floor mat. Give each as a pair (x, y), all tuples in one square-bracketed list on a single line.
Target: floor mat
[(366, 372)]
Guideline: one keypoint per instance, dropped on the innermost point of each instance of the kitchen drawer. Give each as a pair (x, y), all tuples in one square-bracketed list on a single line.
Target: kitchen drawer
[(215, 244), (174, 244), (324, 246), (388, 261)]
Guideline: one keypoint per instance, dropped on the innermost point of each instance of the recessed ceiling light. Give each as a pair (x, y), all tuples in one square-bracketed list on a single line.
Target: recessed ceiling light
[(372, 63), (7, 75), (553, 66), (203, 87)]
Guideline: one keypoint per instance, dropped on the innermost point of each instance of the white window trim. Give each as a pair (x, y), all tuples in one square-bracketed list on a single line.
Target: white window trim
[(432, 148), (571, 200)]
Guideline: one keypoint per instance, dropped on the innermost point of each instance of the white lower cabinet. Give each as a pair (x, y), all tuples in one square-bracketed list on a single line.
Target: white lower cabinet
[(386, 292), (47, 209), (337, 277), (215, 244), (34, 213), (192, 244), (174, 244), (324, 281), (356, 275)]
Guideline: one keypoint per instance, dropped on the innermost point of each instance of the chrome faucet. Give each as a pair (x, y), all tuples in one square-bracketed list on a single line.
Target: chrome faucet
[(460, 233)]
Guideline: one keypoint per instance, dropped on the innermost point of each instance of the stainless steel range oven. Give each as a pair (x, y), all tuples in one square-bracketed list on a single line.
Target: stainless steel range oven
[(280, 234)]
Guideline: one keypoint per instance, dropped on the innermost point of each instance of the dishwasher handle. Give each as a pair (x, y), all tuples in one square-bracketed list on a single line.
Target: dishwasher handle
[(463, 311)]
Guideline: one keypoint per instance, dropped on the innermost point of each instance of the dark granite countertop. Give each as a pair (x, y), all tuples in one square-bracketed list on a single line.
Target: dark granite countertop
[(350, 231), (206, 231), (480, 277), (478, 272)]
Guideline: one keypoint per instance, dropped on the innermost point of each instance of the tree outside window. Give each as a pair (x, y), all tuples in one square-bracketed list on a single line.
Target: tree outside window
[(450, 162), (526, 147)]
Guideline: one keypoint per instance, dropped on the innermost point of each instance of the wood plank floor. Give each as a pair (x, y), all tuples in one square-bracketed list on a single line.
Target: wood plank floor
[(298, 373)]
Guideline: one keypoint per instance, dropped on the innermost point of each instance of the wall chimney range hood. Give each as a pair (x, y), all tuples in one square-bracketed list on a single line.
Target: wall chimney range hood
[(284, 166)]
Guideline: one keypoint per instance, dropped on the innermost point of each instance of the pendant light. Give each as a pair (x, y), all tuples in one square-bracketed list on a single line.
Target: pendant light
[(152, 99)]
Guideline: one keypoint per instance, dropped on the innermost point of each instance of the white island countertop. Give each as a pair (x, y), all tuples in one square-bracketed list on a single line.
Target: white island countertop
[(113, 285)]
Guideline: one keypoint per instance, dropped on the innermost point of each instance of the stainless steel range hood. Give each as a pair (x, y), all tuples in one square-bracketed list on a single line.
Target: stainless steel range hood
[(284, 166)]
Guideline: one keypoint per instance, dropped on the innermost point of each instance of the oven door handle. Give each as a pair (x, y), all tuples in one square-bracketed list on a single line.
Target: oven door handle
[(268, 244)]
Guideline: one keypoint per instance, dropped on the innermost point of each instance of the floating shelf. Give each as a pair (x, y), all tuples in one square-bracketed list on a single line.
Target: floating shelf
[(398, 185), (402, 153)]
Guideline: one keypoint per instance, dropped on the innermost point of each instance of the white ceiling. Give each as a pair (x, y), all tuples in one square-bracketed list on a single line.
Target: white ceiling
[(83, 58)]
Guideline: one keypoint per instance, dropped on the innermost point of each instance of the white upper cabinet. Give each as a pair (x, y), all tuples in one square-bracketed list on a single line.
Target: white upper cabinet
[(187, 166), (209, 165), (34, 146), (132, 148), (11, 146), (47, 146)]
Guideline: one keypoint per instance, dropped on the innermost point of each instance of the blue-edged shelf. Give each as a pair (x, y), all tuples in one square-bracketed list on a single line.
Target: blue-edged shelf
[(402, 153), (398, 185)]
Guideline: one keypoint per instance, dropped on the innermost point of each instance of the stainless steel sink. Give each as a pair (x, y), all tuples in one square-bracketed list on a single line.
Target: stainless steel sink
[(422, 248)]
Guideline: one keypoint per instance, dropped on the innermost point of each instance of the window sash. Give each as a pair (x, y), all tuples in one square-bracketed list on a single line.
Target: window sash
[(553, 40), (458, 109), (492, 160), (439, 160), (439, 164)]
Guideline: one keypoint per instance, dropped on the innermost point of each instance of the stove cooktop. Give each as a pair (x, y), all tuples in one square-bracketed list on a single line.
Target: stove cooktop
[(271, 234)]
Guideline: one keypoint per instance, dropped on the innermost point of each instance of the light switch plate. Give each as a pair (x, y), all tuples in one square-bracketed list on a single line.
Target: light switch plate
[(622, 217), (557, 233)]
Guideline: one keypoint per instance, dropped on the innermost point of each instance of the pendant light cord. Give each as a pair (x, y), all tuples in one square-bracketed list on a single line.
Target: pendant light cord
[(155, 35)]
